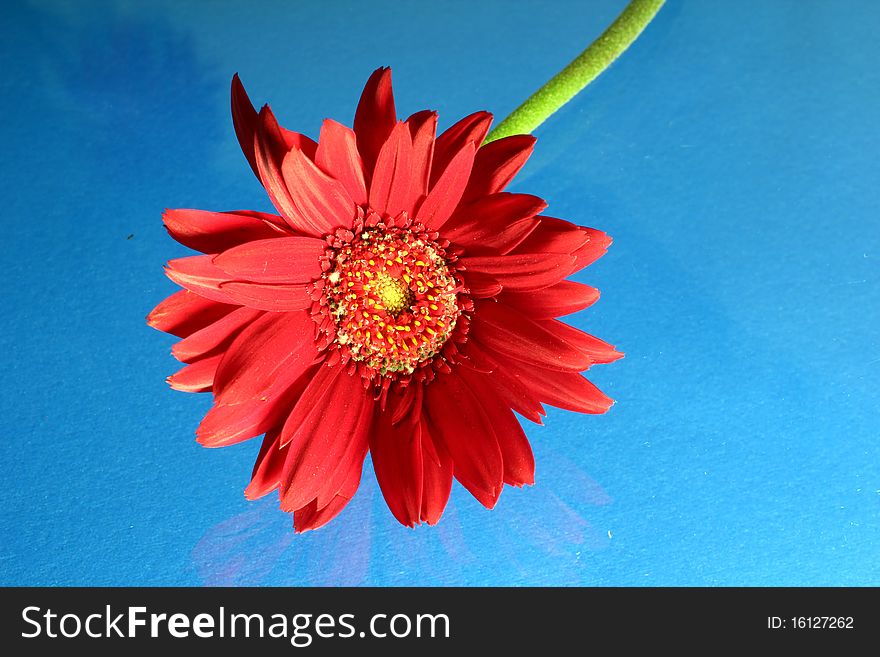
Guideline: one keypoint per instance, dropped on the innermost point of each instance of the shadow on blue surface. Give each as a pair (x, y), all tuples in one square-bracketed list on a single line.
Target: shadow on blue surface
[(92, 101)]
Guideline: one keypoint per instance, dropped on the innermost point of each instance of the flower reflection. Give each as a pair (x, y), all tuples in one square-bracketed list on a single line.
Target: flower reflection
[(536, 537)]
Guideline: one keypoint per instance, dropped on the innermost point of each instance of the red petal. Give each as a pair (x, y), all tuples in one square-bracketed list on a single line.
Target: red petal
[(390, 191), (502, 241), (494, 224), (480, 286), (246, 122), (227, 424), (568, 390), (321, 201), (348, 470), (267, 469), (408, 402), (197, 377), (329, 438), (212, 232), (184, 313), (200, 275), (338, 156), (471, 128), (443, 198), (289, 260), (272, 344), (300, 142), (563, 298), (553, 236), (340, 487), (477, 359), (519, 463), (397, 460), (268, 157), (595, 349), (522, 271), (436, 477), (261, 364), (317, 389), (509, 332), (459, 424), (497, 163), (274, 298), (352, 461), (516, 395), (244, 118), (311, 517), (214, 336), (375, 116), (497, 209), (596, 246), (422, 127)]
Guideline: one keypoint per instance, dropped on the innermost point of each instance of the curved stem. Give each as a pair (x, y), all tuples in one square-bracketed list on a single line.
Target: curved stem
[(562, 87)]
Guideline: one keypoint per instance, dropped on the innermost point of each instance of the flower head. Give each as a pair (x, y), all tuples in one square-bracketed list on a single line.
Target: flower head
[(400, 303)]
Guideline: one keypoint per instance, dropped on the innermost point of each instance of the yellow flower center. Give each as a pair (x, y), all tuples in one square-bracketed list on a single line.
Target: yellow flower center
[(393, 293), (392, 298)]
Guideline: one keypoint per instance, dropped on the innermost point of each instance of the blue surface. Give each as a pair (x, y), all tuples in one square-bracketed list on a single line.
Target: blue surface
[(732, 154)]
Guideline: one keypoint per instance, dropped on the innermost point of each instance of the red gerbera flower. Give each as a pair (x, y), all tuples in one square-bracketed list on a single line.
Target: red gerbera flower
[(400, 303)]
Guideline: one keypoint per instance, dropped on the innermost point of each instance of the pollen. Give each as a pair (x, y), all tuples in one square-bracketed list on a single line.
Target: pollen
[(377, 292)]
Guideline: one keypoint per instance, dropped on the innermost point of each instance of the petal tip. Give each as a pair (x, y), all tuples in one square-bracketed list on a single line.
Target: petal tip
[(252, 492)]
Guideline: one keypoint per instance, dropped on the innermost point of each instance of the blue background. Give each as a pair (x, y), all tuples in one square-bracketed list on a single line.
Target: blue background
[(732, 153)]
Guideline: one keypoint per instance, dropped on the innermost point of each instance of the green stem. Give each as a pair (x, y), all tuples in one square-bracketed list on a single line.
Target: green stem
[(562, 87)]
